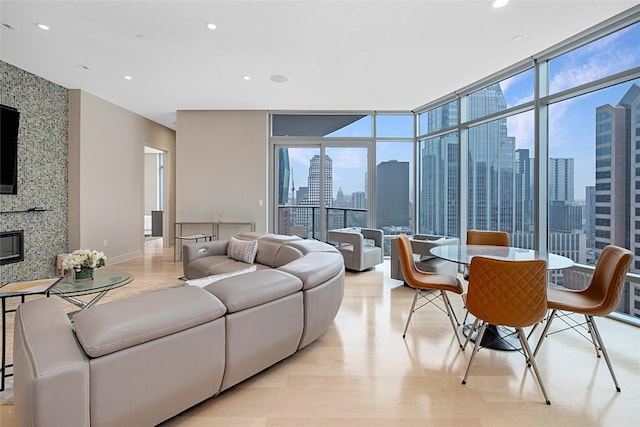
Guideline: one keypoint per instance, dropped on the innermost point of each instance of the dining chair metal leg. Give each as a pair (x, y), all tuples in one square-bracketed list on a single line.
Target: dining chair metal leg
[(533, 329), (594, 333), (476, 347), (598, 337), (532, 362), (544, 332), (473, 328), (452, 316), (590, 324), (430, 296), (415, 298)]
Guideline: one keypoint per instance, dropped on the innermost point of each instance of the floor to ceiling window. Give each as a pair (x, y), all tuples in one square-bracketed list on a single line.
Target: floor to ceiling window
[(594, 155), (320, 172), (328, 175), (394, 176), (438, 168), (499, 176), (547, 150), (582, 193)]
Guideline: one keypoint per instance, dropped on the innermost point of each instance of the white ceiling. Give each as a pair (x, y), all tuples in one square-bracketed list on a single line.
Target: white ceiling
[(338, 55)]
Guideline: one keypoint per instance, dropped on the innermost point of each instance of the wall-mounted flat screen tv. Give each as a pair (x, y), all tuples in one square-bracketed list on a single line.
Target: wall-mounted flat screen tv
[(9, 122)]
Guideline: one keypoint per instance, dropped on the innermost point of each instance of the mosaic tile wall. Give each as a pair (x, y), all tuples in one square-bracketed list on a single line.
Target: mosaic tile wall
[(42, 172)]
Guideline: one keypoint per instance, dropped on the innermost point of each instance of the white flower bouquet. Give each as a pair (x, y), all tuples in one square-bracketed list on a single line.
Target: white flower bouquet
[(84, 258)]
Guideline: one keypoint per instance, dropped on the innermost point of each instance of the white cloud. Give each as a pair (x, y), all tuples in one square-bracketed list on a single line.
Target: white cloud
[(522, 127), (348, 157), (599, 59)]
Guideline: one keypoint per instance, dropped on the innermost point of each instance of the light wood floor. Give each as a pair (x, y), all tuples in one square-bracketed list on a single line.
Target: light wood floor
[(362, 373)]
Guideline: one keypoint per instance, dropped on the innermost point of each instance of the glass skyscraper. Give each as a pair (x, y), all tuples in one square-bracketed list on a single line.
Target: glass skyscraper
[(392, 195)]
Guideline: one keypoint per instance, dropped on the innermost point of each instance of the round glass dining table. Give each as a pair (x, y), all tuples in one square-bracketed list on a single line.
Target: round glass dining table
[(462, 254), (498, 337)]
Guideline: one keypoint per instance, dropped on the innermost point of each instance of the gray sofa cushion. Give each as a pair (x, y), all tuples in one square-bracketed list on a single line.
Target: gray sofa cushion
[(307, 270), (252, 289), (309, 245), (215, 264), (107, 328), (269, 246)]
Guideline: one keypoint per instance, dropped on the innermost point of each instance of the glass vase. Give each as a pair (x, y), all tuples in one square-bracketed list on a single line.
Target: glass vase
[(83, 274)]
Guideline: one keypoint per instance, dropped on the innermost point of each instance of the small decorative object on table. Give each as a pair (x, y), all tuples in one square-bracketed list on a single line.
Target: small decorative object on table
[(82, 262)]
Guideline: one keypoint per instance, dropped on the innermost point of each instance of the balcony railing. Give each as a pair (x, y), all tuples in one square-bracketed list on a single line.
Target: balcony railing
[(304, 220)]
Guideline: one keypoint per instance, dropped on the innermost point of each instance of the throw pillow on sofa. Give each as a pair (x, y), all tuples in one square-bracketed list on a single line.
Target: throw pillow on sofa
[(242, 250), (205, 281)]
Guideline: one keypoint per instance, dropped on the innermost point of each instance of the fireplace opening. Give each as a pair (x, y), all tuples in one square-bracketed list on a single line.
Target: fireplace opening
[(11, 246)]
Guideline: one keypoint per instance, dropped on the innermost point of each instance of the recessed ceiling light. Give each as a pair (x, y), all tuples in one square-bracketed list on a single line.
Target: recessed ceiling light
[(211, 26), (43, 26), (246, 77), (126, 77), (278, 78), (518, 38), (7, 26), (83, 67), (499, 3)]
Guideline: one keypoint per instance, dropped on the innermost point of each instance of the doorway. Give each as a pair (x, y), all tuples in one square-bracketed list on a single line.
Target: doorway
[(153, 194)]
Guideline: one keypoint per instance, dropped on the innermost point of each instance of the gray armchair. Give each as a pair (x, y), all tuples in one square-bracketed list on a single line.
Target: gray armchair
[(421, 245), (361, 248)]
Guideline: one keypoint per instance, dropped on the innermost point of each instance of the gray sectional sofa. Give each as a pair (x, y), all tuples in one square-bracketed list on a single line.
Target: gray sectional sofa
[(142, 360)]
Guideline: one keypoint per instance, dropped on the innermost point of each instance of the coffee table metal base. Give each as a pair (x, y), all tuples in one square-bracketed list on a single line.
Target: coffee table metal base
[(103, 282), (84, 304)]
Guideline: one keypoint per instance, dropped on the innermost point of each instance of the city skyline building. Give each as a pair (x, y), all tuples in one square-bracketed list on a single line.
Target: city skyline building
[(358, 200), (561, 176), (590, 215), (314, 181), (617, 189), (392, 194), (617, 176), (524, 191), (492, 169), (438, 181)]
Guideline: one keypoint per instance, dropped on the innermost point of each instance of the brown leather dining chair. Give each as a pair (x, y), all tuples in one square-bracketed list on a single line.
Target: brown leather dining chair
[(508, 293), (425, 283), (489, 238), (599, 298)]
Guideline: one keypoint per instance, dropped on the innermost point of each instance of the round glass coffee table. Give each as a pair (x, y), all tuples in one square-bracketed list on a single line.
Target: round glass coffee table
[(103, 281)]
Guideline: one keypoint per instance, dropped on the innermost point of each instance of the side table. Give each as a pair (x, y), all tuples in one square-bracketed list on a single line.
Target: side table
[(19, 289)]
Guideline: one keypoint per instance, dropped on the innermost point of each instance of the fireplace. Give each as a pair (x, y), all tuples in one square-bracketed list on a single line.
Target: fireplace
[(11, 246)]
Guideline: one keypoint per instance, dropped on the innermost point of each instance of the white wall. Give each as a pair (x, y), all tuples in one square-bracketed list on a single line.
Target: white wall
[(222, 164), (106, 175)]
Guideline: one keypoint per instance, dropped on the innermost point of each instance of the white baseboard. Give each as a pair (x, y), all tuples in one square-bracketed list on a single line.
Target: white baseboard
[(125, 257)]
